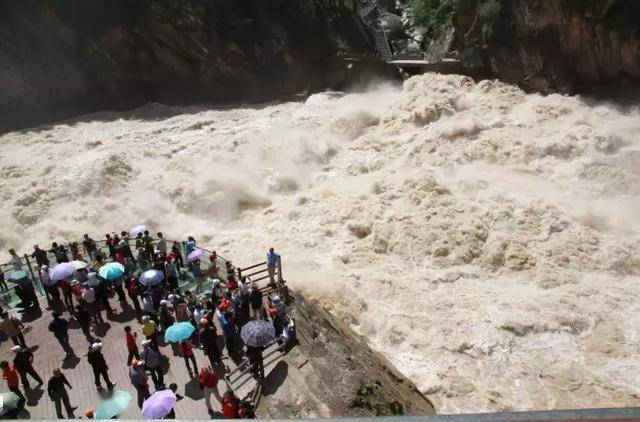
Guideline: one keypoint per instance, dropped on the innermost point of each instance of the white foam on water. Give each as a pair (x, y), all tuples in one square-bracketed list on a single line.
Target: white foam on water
[(483, 239)]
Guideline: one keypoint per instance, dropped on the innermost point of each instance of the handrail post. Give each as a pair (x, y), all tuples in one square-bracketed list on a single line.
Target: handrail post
[(26, 258)]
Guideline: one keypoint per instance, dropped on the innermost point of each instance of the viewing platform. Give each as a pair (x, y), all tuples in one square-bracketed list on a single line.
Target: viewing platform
[(235, 374)]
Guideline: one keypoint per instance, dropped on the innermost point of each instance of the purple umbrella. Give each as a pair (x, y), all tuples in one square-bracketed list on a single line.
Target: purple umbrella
[(151, 278), (159, 404), (196, 254), (61, 271)]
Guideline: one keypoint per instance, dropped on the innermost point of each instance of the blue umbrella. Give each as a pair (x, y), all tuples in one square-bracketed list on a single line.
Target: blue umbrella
[(113, 406), (179, 331), (111, 271), (151, 278), (62, 271)]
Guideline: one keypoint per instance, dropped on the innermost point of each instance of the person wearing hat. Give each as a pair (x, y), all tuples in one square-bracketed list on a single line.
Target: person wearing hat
[(50, 286), (165, 315), (152, 362), (138, 377), (229, 405), (13, 382), (12, 327), (99, 365), (58, 393), (23, 363), (150, 330)]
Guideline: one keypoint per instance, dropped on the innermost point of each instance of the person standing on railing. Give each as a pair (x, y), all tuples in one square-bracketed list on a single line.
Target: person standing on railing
[(15, 260), (273, 262), (90, 247)]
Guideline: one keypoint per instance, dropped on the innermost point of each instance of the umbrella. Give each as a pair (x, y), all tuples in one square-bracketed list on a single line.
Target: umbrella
[(60, 271), (111, 270), (179, 331), (151, 278), (197, 254), (8, 402), (78, 265), (18, 277), (258, 333), (138, 229), (113, 406), (159, 404)]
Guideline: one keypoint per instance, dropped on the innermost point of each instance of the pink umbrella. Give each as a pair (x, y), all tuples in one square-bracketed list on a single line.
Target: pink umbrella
[(196, 254), (159, 404)]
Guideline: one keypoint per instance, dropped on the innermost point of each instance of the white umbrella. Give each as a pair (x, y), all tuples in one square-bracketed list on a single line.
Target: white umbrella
[(138, 229), (61, 271), (79, 264)]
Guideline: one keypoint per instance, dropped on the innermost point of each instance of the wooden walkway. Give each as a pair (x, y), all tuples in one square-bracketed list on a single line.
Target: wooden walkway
[(49, 355)]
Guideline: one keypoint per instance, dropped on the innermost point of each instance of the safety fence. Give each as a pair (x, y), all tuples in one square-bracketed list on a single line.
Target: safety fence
[(246, 372), (27, 263)]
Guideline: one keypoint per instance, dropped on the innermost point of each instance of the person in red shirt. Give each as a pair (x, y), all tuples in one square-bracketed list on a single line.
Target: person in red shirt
[(132, 346), (13, 381), (187, 353), (209, 383), (229, 405)]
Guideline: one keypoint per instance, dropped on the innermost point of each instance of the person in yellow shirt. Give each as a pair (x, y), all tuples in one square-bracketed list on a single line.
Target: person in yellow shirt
[(150, 331)]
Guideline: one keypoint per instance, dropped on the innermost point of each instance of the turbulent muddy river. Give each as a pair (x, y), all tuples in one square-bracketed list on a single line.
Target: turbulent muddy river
[(483, 239)]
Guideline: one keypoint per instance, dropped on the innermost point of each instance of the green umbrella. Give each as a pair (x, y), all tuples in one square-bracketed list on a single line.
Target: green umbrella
[(8, 402), (113, 406)]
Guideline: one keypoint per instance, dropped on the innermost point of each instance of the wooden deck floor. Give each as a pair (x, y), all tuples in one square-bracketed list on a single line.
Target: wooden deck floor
[(49, 355)]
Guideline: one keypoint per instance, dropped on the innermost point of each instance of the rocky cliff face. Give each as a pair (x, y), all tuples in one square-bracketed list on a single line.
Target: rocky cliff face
[(64, 57), (542, 45), (558, 45)]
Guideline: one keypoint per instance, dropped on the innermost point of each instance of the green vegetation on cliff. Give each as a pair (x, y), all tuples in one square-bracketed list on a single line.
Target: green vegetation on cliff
[(437, 15)]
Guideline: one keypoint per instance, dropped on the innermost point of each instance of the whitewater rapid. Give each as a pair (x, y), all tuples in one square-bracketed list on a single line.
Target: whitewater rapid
[(483, 239)]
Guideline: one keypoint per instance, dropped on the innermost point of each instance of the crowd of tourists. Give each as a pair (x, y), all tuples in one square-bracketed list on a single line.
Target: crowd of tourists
[(147, 283)]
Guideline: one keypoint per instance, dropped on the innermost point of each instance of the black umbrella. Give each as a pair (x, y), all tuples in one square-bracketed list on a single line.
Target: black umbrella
[(258, 333)]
